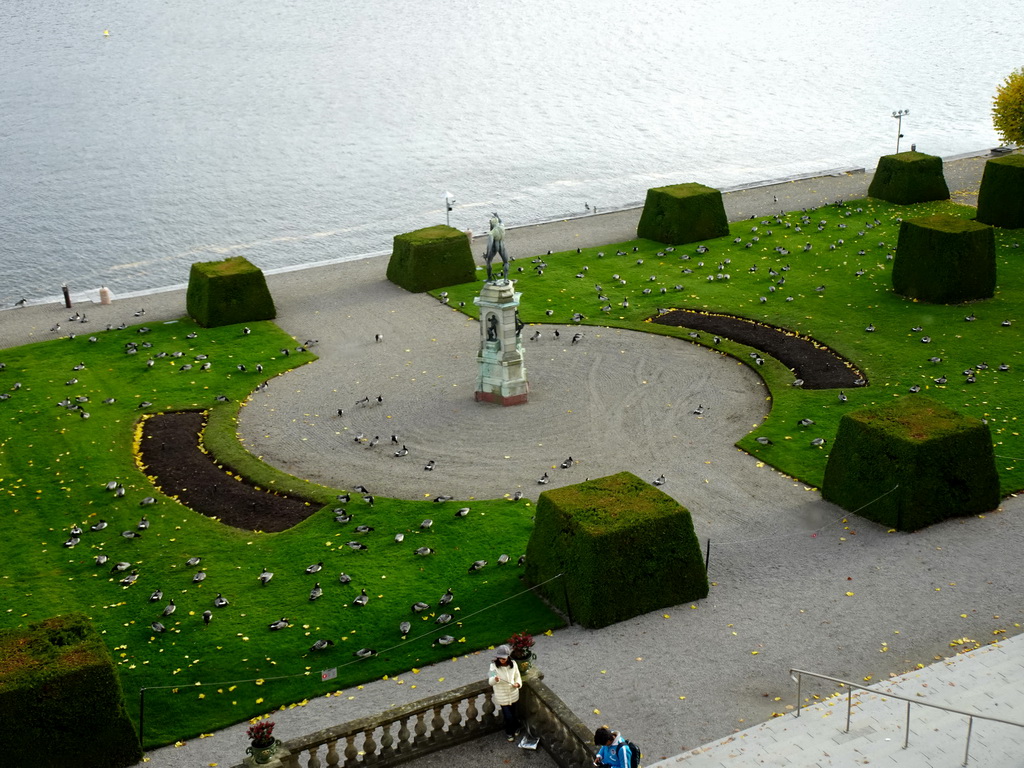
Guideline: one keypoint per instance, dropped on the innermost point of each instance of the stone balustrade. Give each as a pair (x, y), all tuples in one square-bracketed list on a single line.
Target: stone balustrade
[(438, 722)]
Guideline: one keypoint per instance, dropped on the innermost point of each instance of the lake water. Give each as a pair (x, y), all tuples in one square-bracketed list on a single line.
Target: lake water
[(298, 132)]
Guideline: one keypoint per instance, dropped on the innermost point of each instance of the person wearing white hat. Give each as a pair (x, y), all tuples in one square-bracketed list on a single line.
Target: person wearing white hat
[(506, 681)]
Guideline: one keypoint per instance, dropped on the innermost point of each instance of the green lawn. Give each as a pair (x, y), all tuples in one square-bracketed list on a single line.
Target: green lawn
[(893, 357), (54, 466)]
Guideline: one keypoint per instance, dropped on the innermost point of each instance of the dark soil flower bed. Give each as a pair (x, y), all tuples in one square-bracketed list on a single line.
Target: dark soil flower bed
[(812, 361), (170, 451)]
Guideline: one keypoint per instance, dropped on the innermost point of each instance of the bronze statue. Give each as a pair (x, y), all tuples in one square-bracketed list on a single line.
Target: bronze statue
[(496, 247)]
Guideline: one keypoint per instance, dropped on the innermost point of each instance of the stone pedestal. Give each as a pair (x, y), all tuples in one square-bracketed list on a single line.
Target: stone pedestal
[(501, 376)]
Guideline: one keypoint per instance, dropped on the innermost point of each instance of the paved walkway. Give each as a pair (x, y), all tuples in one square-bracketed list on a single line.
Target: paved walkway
[(782, 560), (984, 682)]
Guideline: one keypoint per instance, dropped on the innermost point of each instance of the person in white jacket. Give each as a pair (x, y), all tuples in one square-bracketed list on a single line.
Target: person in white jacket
[(506, 681)]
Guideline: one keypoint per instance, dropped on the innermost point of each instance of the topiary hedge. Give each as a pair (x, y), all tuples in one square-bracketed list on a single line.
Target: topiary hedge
[(60, 698), (227, 292), (683, 213), (431, 258), (940, 463), (1001, 197), (909, 177), (624, 548), (945, 260)]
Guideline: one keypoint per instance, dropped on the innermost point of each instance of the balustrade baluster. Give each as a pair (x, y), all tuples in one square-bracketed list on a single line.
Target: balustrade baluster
[(350, 748), (421, 729), (437, 724), (455, 726), (403, 735), (333, 758), (387, 741), (314, 757), (489, 715), (471, 713), (369, 747)]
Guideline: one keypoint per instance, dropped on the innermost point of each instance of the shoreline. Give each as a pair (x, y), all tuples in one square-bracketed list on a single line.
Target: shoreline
[(91, 296)]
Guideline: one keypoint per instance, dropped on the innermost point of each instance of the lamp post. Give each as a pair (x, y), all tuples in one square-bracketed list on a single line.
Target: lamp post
[(449, 200), (899, 115)]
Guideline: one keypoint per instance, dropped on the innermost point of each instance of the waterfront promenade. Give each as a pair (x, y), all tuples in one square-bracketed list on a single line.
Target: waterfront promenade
[(782, 559)]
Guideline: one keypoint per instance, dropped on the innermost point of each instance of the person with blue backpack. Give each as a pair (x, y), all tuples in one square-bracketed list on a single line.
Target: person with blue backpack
[(615, 752)]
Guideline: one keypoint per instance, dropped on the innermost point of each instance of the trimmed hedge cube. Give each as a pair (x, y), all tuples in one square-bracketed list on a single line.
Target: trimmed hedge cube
[(1001, 197), (624, 548), (431, 258), (911, 464), (943, 259), (683, 213), (227, 292), (909, 177), (61, 700)]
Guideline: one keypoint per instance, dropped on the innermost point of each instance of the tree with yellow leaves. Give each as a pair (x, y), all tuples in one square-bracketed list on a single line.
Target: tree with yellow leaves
[(1008, 109)]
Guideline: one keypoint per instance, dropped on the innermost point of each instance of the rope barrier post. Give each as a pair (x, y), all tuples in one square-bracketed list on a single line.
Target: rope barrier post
[(565, 592), (142, 717), (707, 559)]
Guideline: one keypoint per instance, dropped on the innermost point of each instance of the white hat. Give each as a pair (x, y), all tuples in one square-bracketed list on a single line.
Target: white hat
[(502, 652)]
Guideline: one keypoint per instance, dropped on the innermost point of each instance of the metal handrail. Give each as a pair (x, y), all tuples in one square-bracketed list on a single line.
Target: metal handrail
[(797, 676)]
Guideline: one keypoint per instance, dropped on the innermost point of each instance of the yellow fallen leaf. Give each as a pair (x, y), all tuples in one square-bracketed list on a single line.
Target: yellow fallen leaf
[(849, 594), (597, 711)]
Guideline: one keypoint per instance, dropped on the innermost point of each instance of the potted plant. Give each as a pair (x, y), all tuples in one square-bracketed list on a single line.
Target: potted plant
[(264, 745), (521, 644)]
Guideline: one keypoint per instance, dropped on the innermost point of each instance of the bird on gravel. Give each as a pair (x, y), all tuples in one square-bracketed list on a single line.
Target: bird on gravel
[(567, 463), (543, 479), (659, 480), (429, 466), (403, 451), (699, 410), (517, 496)]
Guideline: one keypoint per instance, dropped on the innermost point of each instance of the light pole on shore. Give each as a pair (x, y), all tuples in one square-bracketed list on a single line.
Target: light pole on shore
[(899, 114), (449, 200)]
